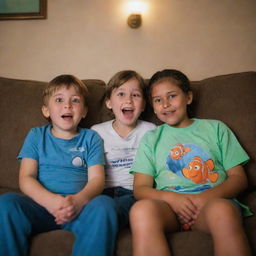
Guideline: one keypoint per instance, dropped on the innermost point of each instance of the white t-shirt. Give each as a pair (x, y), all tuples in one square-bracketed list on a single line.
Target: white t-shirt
[(120, 152)]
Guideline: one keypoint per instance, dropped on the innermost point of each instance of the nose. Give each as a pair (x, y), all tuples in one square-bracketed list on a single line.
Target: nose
[(68, 104), (128, 99), (166, 103)]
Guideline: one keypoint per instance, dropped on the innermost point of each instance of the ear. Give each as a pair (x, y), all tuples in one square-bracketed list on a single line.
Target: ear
[(189, 97), (45, 111), (108, 104)]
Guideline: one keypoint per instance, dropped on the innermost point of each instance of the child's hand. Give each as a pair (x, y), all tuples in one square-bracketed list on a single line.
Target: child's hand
[(199, 200), (185, 209), (55, 204), (70, 209)]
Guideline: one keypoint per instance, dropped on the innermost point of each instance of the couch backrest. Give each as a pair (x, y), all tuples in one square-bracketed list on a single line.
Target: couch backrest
[(232, 99), (229, 98), (20, 106)]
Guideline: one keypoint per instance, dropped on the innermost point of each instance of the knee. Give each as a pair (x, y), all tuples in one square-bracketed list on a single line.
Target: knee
[(9, 203), (103, 205), (223, 210), (8, 200), (102, 210), (141, 210)]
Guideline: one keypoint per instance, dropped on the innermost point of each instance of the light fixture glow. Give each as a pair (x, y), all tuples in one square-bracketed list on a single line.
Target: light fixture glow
[(135, 9)]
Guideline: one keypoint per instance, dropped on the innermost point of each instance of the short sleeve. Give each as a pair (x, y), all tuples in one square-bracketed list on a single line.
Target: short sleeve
[(232, 152), (30, 146), (96, 150), (144, 159)]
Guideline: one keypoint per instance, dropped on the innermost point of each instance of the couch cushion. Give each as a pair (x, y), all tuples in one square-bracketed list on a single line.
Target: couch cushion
[(20, 110), (57, 243), (97, 111), (232, 99)]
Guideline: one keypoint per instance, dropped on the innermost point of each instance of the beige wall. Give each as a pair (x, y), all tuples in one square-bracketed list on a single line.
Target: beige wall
[(90, 38)]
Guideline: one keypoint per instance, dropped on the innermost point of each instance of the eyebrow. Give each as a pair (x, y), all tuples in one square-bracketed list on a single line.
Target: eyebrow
[(169, 92), (134, 90), (61, 94)]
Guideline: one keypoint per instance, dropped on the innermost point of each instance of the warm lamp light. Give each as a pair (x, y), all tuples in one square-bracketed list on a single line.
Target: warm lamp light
[(135, 9)]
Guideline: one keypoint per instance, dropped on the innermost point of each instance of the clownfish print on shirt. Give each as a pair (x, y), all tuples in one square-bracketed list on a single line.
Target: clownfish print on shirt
[(178, 151), (190, 162), (199, 171)]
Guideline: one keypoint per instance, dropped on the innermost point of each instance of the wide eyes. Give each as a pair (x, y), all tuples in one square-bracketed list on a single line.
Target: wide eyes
[(134, 95), (59, 99), (73, 100), (137, 95), (120, 94), (171, 96), (76, 100), (158, 100)]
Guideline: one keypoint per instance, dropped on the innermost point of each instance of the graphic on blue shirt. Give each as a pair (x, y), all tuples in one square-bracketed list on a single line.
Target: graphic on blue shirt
[(189, 161), (78, 161)]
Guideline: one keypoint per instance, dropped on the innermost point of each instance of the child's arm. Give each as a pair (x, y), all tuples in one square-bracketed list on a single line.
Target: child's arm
[(230, 188), (30, 186), (180, 203), (73, 204)]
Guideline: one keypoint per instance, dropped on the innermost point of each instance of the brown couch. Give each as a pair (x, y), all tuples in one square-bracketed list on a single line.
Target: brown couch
[(230, 98)]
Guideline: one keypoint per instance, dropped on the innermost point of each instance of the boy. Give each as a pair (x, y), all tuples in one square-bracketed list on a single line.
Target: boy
[(125, 96), (61, 174)]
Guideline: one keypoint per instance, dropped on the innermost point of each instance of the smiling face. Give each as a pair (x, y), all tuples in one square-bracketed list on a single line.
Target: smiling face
[(127, 103), (65, 107), (170, 103)]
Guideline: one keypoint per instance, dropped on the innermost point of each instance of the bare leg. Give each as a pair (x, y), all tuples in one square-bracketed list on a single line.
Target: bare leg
[(150, 220), (222, 220)]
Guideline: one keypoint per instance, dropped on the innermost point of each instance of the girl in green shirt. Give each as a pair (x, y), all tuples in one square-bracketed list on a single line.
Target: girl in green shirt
[(186, 173)]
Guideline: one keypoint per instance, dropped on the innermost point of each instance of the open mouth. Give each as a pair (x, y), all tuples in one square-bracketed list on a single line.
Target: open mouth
[(127, 111), (67, 117)]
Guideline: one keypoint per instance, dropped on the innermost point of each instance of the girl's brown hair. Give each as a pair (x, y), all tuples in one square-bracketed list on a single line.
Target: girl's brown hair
[(122, 77)]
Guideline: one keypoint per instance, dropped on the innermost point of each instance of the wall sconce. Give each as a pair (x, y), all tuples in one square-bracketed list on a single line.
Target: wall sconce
[(135, 10), (134, 20)]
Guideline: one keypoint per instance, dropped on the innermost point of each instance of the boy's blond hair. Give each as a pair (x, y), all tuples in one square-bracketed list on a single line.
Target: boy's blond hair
[(66, 81)]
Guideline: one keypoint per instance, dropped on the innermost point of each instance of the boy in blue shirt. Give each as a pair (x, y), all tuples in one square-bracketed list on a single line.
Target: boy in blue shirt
[(61, 175)]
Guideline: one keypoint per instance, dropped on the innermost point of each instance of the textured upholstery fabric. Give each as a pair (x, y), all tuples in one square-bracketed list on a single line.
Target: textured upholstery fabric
[(230, 98)]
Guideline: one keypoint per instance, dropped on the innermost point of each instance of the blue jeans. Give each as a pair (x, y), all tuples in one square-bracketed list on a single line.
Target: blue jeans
[(95, 228), (124, 200)]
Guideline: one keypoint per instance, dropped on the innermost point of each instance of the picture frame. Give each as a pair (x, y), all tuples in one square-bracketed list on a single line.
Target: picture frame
[(23, 9)]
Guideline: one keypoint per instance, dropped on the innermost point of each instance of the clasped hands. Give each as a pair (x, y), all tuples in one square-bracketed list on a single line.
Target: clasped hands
[(64, 208), (187, 207)]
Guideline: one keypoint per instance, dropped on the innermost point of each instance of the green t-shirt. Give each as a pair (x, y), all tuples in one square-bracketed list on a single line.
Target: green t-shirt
[(190, 159)]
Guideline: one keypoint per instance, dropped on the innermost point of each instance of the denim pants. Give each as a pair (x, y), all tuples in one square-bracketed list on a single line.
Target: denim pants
[(124, 200), (95, 228)]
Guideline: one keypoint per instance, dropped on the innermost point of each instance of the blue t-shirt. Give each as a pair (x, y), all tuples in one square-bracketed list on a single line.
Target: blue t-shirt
[(63, 164)]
